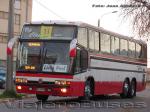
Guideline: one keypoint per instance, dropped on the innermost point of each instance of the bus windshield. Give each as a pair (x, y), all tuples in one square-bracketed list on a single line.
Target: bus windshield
[(48, 32), (44, 56)]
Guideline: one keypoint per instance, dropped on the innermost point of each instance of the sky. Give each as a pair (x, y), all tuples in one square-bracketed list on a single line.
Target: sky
[(83, 10)]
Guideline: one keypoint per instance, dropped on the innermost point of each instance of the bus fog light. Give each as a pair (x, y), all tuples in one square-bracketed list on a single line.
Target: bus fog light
[(21, 80), (48, 89), (19, 87), (63, 90), (30, 88)]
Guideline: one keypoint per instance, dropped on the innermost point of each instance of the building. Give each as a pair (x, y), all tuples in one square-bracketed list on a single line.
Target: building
[(22, 14)]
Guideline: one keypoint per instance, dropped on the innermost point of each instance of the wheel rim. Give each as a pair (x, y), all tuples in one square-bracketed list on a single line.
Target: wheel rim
[(133, 88), (88, 92)]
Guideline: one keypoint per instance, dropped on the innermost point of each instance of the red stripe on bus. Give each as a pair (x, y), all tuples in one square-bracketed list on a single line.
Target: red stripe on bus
[(106, 87), (46, 75), (77, 89), (119, 58)]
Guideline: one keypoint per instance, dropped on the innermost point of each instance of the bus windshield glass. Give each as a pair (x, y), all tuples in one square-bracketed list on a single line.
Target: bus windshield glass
[(44, 56), (50, 32)]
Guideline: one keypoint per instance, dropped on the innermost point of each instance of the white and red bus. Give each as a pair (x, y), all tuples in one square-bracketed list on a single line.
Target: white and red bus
[(77, 59)]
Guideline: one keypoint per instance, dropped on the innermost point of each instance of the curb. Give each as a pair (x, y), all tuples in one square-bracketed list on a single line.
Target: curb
[(3, 100)]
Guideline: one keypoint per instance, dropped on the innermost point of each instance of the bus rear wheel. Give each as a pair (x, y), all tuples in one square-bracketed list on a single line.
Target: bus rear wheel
[(125, 89), (42, 97), (132, 92)]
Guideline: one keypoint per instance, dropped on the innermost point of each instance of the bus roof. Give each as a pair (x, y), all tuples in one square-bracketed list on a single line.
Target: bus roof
[(82, 24)]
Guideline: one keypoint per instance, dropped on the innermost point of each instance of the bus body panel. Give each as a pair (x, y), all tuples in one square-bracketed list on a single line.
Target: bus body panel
[(75, 88), (108, 77)]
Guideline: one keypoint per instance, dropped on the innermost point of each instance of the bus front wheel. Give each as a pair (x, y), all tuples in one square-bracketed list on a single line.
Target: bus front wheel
[(88, 90), (42, 97)]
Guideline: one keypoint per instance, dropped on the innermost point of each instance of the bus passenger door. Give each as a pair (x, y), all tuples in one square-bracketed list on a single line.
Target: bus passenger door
[(81, 61), (80, 68)]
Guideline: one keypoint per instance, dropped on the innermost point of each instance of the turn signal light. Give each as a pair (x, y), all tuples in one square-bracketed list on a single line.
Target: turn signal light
[(21, 80)]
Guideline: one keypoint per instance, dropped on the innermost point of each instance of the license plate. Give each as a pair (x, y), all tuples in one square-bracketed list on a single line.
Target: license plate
[(40, 89)]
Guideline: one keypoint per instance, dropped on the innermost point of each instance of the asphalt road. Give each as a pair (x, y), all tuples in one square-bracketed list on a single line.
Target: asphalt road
[(111, 103)]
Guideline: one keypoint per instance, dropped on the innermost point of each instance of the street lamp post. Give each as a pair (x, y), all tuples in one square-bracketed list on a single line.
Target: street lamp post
[(9, 77), (104, 15)]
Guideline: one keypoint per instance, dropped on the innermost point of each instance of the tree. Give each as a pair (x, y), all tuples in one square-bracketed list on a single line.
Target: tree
[(138, 11)]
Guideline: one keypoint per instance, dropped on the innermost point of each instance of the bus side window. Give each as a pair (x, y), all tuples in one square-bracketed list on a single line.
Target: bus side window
[(123, 47), (82, 37), (131, 50), (138, 51), (144, 53), (84, 60), (81, 61), (115, 45), (105, 43), (77, 67)]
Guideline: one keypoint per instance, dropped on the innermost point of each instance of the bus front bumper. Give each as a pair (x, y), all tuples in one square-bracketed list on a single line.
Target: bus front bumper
[(53, 90)]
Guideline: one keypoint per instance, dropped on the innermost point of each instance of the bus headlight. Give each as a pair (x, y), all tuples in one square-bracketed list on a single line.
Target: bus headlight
[(61, 82), (19, 87), (21, 80), (63, 90)]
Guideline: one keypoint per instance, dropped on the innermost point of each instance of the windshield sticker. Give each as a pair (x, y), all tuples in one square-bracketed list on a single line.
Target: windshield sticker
[(60, 68), (33, 35), (54, 68), (48, 67), (46, 32)]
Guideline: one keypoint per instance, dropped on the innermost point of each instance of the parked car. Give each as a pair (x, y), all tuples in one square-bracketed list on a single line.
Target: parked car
[(2, 78)]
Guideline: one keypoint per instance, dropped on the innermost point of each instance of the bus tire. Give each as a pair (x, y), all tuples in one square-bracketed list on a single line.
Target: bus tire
[(42, 97), (132, 91), (125, 89), (88, 90)]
